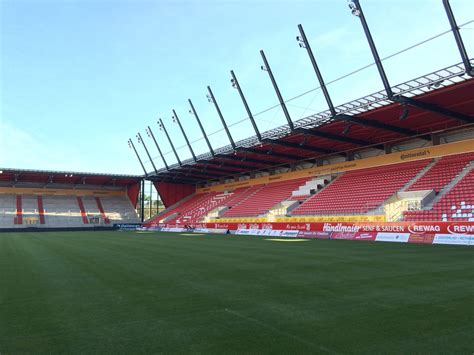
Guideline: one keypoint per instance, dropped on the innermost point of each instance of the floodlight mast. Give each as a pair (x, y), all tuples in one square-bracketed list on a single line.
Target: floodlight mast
[(150, 134), (267, 68), (140, 140), (458, 38), (303, 42), (212, 99), (235, 84), (193, 112), (356, 10), (131, 145), (142, 203), (162, 126), (176, 119)]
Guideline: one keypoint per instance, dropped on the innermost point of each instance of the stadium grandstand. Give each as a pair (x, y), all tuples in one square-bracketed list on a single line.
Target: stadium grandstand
[(368, 162), (68, 200), (404, 153), (252, 246)]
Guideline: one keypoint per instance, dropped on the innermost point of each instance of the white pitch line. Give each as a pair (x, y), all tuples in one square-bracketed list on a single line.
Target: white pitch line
[(276, 330)]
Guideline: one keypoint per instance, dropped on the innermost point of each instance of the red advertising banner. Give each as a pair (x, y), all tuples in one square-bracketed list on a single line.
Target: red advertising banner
[(460, 233), (421, 238), (416, 228)]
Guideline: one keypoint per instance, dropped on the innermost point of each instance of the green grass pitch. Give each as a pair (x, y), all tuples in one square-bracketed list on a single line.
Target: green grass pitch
[(127, 292)]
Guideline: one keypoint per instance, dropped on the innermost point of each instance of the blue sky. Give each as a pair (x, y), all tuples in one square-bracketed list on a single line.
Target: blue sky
[(78, 78)]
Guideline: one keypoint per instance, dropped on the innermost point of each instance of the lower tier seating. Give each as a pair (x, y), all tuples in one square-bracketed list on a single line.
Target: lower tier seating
[(360, 191), (63, 211), (456, 205), (262, 198), (197, 207)]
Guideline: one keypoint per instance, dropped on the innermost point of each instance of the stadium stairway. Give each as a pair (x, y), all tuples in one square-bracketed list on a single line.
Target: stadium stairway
[(41, 209), (83, 210), (91, 208), (101, 210), (19, 210)]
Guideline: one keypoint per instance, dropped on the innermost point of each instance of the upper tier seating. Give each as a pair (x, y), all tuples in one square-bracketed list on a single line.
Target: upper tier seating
[(442, 172), (456, 205), (259, 199), (361, 190)]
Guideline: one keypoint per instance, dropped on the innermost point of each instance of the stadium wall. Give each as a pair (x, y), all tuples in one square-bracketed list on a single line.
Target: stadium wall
[(132, 193), (171, 193)]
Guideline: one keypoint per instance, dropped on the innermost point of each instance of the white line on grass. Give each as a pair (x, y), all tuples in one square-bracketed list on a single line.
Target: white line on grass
[(281, 332)]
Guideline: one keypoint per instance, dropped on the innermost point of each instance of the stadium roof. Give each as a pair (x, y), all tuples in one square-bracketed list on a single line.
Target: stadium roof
[(435, 102), (19, 176)]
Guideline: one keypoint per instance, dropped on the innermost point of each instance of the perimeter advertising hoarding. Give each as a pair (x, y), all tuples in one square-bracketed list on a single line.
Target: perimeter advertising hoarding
[(417, 228), (268, 232), (392, 237), (459, 233), (421, 238), (456, 239), (211, 230)]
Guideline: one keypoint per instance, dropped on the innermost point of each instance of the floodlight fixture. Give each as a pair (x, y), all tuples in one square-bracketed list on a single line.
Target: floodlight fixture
[(405, 112), (353, 6), (347, 129), (301, 42)]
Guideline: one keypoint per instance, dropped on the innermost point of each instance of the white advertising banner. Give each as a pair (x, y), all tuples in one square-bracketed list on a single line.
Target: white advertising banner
[(454, 239), (392, 237), (173, 229)]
